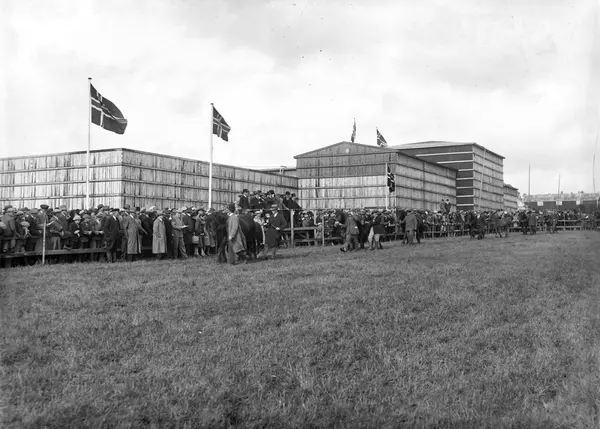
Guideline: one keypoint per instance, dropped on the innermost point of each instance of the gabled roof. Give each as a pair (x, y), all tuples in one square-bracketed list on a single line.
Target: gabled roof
[(437, 143), (359, 145)]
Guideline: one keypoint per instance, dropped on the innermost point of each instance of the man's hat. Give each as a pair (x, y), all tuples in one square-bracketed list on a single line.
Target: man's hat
[(44, 207), (245, 190), (114, 209), (76, 217), (231, 207), (7, 207), (126, 206), (274, 207), (63, 208), (34, 211)]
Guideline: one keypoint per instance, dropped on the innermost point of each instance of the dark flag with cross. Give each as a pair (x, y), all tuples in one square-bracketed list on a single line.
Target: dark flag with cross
[(380, 140), (391, 180), (105, 114), (220, 127)]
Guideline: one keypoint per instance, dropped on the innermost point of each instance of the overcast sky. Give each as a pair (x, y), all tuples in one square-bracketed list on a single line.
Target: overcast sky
[(519, 77)]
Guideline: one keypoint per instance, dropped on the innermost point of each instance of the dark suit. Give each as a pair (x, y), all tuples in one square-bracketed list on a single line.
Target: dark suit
[(112, 233), (188, 233)]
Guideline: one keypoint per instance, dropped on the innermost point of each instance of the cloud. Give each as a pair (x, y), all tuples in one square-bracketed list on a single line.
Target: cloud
[(290, 76)]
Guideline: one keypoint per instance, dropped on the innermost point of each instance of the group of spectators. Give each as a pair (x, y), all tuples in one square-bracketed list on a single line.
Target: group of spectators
[(185, 232)]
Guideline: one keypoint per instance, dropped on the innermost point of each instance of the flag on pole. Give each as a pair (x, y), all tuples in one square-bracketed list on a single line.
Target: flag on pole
[(353, 131), (391, 180), (106, 114), (380, 140), (220, 127)]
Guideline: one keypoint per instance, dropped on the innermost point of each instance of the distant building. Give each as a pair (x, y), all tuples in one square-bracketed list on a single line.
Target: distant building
[(353, 175), (479, 178), (125, 176), (511, 197)]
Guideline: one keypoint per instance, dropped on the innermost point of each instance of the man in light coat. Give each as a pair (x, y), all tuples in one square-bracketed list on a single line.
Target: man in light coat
[(178, 227), (159, 236), (411, 226), (236, 244)]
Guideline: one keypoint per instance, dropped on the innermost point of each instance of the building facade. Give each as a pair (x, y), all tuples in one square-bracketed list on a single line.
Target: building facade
[(352, 175), (120, 176), (511, 197), (480, 176)]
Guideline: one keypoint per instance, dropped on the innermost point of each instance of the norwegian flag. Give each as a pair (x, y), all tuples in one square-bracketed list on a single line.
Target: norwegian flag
[(380, 140), (106, 114), (220, 127), (391, 180), (353, 136)]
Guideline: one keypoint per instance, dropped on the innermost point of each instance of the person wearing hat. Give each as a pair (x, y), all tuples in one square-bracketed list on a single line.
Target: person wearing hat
[(111, 230), (10, 230), (376, 231), (274, 225), (201, 232), (243, 201), (159, 236), (411, 226), (146, 219), (236, 243), (352, 230), (132, 231), (178, 230), (73, 240), (188, 232)]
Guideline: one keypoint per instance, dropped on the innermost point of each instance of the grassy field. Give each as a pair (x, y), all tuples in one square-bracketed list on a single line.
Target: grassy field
[(453, 333)]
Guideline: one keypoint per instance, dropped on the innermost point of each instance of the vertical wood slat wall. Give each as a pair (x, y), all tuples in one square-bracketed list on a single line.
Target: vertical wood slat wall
[(119, 176), (474, 164), (348, 175)]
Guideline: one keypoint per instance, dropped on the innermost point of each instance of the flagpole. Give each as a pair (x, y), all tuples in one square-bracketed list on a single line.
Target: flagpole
[(482, 173), (210, 165), (529, 185), (87, 169), (387, 194), (558, 198)]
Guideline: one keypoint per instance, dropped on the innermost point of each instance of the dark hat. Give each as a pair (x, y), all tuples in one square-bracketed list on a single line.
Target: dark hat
[(287, 192), (44, 207), (245, 190), (114, 209), (100, 206), (126, 206), (7, 207), (231, 207)]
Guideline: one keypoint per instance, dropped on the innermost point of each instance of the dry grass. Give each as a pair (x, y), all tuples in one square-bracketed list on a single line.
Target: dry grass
[(450, 334)]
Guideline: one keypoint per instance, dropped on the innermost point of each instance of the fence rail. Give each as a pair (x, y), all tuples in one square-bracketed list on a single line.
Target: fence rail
[(292, 237)]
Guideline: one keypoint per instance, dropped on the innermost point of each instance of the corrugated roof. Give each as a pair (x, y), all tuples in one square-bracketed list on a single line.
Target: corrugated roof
[(434, 143)]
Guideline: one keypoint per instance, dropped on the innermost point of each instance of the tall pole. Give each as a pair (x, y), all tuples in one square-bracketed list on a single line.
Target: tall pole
[(529, 185), (210, 165), (87, 169), (558, 198), (594, 163), (387, 189), (482, 172)]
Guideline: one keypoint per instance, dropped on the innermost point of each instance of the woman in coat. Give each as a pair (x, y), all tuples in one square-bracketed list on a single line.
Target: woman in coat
[(159, 236)]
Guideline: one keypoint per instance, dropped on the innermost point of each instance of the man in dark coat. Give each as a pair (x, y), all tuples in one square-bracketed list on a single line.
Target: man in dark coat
[(188, 233), (243, 201), (169, 230), (273, 227), (377, 230), (111, 227)]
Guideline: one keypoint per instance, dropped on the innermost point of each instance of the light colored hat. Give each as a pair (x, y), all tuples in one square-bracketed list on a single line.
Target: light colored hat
[(76, 217)]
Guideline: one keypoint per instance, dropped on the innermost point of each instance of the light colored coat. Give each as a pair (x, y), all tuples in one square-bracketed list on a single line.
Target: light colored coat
[(159, 236), (235, 235), (132, 229)]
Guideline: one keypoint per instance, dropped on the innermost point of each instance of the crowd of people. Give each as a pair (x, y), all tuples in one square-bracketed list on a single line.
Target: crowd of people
[(125, 232)]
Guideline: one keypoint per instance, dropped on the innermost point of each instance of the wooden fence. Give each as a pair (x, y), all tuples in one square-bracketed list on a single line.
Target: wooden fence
[(292, 237)]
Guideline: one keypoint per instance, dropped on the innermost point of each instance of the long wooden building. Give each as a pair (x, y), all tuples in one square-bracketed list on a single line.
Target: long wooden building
[(347, 175), (120, 176), (480, 175)]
